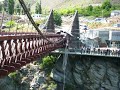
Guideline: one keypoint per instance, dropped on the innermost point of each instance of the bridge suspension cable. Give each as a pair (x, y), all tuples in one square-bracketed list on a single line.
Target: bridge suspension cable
[(65, 58), (30, 18), (33, 23)]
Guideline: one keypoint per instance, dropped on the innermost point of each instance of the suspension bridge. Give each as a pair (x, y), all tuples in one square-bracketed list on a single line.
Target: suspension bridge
[(20, 48)]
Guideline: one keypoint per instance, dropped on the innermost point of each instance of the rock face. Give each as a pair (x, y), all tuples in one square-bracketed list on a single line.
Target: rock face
[(89, 73), (38, 80), (82, 73), (29, 77), (7, 83)]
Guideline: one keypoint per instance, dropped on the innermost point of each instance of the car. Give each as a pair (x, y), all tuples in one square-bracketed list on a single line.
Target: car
[(98, 19), (116, 25), (83, 27), (3, 27), (102, 20)]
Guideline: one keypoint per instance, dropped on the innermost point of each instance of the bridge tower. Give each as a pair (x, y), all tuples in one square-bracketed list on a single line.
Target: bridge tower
[(74, 40), (50, 23)]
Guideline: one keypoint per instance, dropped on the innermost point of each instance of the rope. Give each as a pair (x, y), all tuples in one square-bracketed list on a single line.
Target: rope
[(31, 19), (33, 23), (65, 58)]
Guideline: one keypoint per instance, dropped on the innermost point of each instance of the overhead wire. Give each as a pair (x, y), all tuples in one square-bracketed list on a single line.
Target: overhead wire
[(31, 19), (33, 23), (65, 58)]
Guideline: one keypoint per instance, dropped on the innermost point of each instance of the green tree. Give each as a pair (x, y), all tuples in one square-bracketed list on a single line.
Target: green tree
[(1, 6), (5, 5), (10, 23), (84, 12), (29, 7), (97, 11), (106, 5), (106, 13), (38, 8), (90, 8), (18, 9), (48, 63), (22, 11), (57, 18), (11, 4)]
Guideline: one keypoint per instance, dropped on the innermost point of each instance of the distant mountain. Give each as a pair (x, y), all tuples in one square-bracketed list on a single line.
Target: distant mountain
[(67, 3), (55, 4)]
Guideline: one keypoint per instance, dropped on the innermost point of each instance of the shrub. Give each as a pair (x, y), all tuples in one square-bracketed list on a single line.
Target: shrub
[(57, 18), (16, 77), (10, 23), (95, 11), (48, 63), (106, 5), (52, 86), (38, 22), (13, 75), (106, 13)]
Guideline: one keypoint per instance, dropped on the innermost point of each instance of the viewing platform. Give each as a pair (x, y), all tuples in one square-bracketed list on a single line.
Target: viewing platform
[(88, 53)]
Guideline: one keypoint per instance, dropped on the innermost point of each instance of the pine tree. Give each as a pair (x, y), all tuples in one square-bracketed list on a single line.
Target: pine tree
[(1, 7), (38, 9), (106, 5), (17, 9), (5, 6), (29, 7), (11, 4)]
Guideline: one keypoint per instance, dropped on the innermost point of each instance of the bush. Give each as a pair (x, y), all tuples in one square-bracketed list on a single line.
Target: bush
[(52, 86), (106, 13), (38, 22), (48, 62), (10, 23), (95, 11), (13, 75), (57, 18), (16, 77), (106, 5)]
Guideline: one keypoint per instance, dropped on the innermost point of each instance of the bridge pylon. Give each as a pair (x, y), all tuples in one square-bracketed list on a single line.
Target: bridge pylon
[(74, 40), (50, 23)]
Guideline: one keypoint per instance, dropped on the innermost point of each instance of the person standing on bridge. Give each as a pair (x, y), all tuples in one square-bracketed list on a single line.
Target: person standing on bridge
[(119, 52), (81, 50)]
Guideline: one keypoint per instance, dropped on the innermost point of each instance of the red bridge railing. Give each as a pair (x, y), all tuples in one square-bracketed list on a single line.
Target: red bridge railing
[(17, 51)]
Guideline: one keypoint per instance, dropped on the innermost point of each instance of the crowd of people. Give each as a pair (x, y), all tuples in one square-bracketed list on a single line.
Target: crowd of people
[(100, 51)]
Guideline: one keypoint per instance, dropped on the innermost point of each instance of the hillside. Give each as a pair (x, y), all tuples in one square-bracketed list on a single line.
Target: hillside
[(67, 3)]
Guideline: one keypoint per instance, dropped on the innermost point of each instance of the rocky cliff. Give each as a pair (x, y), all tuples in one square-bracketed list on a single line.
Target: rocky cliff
[(82, 73), (29, 77), (89, 73)]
